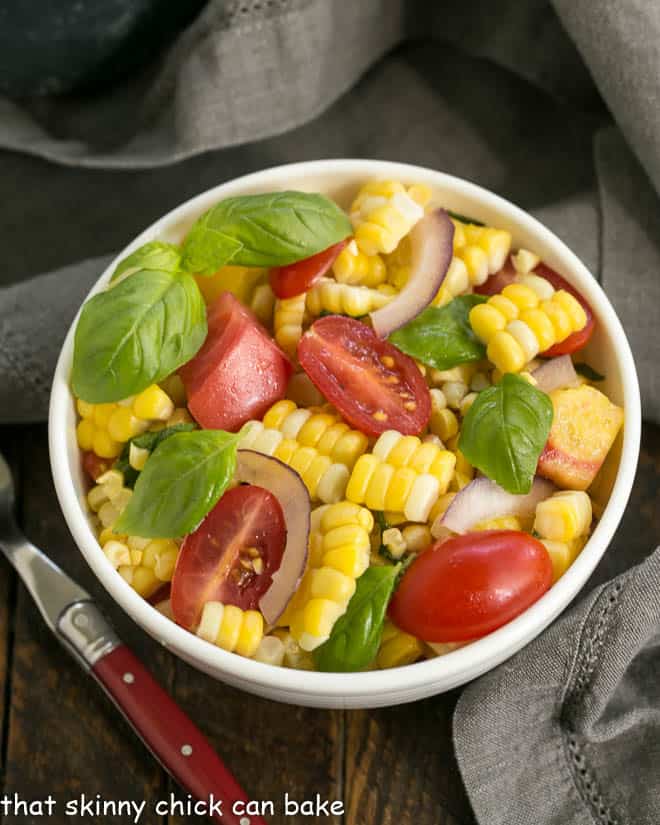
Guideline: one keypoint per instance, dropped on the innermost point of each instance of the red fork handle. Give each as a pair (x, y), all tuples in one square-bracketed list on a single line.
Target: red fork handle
[(170, 735)]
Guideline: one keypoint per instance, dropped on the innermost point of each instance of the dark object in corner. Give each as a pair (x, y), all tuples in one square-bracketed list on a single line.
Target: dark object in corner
[(55, 47)]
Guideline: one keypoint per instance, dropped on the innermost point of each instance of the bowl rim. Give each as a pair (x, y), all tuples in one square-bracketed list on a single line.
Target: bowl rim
[(456, 667)]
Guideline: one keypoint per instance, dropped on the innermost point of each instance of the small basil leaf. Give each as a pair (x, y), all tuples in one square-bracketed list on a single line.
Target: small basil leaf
[(182, 480), (355, 637), (146, 441), (266, 230), (464, 219), (589, 372), (136, 334), (442, 337), (505, 431), (159, 255)]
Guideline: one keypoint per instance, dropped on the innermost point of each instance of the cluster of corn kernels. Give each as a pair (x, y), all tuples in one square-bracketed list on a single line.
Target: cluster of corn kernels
[(338, 555), (232, 629), (328, 296), (402, 474), (105, 428), (144, 563), (397, 648), (262, 303), (479, 251), (384, 212), (563, 522), (288, 320), (456, 389), (524, 319), (406, 538), (353, 266)]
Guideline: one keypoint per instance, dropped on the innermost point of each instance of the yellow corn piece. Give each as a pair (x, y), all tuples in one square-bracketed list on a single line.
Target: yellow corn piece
[(229, 627), (563, 554), (382, 214), (339, 553), (324, 478), (153, 404), (524, 319), (327, 433), (357, 268), (289, 314), (397, 648), (564, 516), (328, 296), (263, 304), (385, 479), (239, 280)]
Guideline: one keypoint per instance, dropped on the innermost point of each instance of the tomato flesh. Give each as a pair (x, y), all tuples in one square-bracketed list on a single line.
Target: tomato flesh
[(578, 339), (294, 279), (238, 373), (216, 562), (373, 384), (94, 465), (467, 586)]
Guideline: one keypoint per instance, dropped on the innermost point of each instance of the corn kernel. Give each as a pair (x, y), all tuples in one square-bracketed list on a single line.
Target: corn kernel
[(506, 353), (417, 537), (85, 434), (105, 446), (522, 296), (153, 404), (444, 424), (102, 413), (85, 410), (123, 425)]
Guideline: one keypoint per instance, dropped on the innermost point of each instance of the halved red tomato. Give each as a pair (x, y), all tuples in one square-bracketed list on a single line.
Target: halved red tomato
[(238, 373), (94, 465), (232, 556), (578, 339), (374, 385), (294, 279), (467, 586)]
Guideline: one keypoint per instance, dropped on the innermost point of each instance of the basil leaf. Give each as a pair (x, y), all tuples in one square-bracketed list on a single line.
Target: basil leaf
[(159, 255), (146, 441), (505, 431), (267, 230), (442, 337), (182, 480), (136, 334), (355, 637), (589, 372), (463, 218)]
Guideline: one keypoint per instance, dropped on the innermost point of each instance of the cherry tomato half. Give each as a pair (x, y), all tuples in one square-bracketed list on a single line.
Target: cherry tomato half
[(373, 384), (232, 555), (94, 465), (467, 586), (294, 279), (578, 339)]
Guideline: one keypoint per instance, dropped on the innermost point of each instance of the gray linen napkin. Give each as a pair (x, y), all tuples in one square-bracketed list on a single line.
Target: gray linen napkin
[(497, 93)]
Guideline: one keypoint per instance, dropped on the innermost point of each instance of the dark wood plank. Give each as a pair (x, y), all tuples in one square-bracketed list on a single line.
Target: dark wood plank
[(270, 747), (400, 766), (10, 446), (65, 738)]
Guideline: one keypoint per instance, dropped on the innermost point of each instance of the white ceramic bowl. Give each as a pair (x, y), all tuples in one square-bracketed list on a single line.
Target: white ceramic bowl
[(608, 352)]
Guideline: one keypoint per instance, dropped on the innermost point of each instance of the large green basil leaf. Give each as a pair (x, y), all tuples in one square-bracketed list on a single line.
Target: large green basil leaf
[(505, 431), (136, 334), (267, 230), (442, 337), (356, 635), (145, 441), (182, 480), (165, 257)]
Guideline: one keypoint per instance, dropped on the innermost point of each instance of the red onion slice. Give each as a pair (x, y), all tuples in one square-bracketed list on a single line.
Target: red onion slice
[(483, 499), (287, 486), (432, 242), (556, 374)]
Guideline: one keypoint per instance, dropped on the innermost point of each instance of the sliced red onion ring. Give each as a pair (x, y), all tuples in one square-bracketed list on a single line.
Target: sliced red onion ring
[(432, 241), (555, 374), (287, 486), (483, 499)]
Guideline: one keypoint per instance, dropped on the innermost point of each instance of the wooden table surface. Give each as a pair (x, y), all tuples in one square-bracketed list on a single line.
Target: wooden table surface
[(61, 736)]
